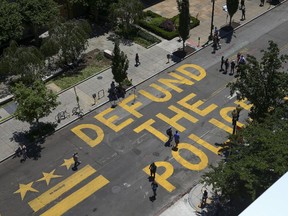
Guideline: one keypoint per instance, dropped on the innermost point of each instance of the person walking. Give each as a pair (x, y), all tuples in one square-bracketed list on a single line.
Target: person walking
[(169, 133), (153, 169), (222, 63), (137, 59), (76, 160), (176, 139), (233, 64), (24, 152), (243, 10), (226, 65), (242, 3), (154, 187), (261, 3)]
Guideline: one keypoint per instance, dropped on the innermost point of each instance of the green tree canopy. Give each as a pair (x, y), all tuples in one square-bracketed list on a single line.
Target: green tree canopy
[(68, 41), (69, 4), (232, 7), (26, 62), (34, 102), (184, 20), (126, 13), (262, 83), (120, 64), (11, 26), (38, 13), (254, 166)]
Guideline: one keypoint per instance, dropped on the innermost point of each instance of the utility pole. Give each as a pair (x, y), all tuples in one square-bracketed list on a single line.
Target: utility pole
[(212, 21)]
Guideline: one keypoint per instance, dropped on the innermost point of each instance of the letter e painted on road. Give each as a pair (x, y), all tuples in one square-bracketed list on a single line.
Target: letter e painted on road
[(162, 179), (109, 122), (78, 130), (132, 108), (195, 106)]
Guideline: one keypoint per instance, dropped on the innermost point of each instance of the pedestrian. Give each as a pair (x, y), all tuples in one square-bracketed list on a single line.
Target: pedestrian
[(168, 58), (238, 57), (137, 59), (176, 139), (218, 41), (226, 65), (242, 3), (261, 3), (153, 169), (76, 160), (243, 10), (242, 60), (169, 133), (222, 63), (154, 187), (238, 109), (24, 152), (233, 64), (216, 31), (204, 198)]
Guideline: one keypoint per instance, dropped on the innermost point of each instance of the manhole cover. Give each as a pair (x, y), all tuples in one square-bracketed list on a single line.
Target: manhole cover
[(116, 189), (99, 77)]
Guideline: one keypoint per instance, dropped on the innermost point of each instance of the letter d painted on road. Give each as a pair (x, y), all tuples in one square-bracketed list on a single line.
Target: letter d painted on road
[(78, 130)]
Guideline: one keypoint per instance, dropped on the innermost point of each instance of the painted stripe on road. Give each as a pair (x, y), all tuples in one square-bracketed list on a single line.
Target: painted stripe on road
[(62, 187), (77, 197)]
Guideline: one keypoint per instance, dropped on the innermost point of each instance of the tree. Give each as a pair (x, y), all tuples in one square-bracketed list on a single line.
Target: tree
[(253, 167), (120, 64), (38, 14), (97, 7), (232, 7), (34, 102), (10, 21), (70, 4), (68, 41), (262, 83), (26, 62), (126, 13), (184, 20)]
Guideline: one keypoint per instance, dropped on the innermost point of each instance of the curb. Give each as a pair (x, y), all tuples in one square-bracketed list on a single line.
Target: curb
[(105, 102)]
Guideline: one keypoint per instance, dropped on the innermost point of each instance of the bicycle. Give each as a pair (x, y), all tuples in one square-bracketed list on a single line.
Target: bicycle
[(77, 111), (62, 115)]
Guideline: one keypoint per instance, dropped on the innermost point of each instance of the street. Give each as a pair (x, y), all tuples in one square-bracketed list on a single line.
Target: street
[(116, 146)]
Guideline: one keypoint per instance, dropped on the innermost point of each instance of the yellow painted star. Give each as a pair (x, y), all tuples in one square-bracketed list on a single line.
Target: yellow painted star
[(48, 176), (23, 188), (68, 163)]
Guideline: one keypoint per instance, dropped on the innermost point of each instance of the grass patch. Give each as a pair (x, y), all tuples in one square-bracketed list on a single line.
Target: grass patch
[(94, 62)]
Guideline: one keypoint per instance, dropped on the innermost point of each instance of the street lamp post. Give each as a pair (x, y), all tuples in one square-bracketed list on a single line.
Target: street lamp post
[(212, 20)]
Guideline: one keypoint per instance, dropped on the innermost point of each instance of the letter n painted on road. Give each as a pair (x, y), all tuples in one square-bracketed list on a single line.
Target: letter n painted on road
[(78, 130), (162, 179)]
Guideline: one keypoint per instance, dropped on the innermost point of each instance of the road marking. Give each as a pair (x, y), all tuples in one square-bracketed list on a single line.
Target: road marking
[(91, 142), (62, 187), (75, 198), (152, 97), (221, 125), (109, 121), (202, 164), (204, 143), (148, 126), (224, 114), (162, 179)]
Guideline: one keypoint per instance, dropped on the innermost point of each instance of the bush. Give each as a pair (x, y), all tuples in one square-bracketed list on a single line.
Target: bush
[(152, 22), (168, 25)]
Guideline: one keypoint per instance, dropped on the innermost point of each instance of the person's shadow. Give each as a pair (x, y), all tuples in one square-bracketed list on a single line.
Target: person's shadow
[(152, 198)]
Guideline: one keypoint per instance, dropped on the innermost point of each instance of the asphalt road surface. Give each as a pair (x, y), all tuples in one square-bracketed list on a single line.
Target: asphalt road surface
[(116, 146)]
